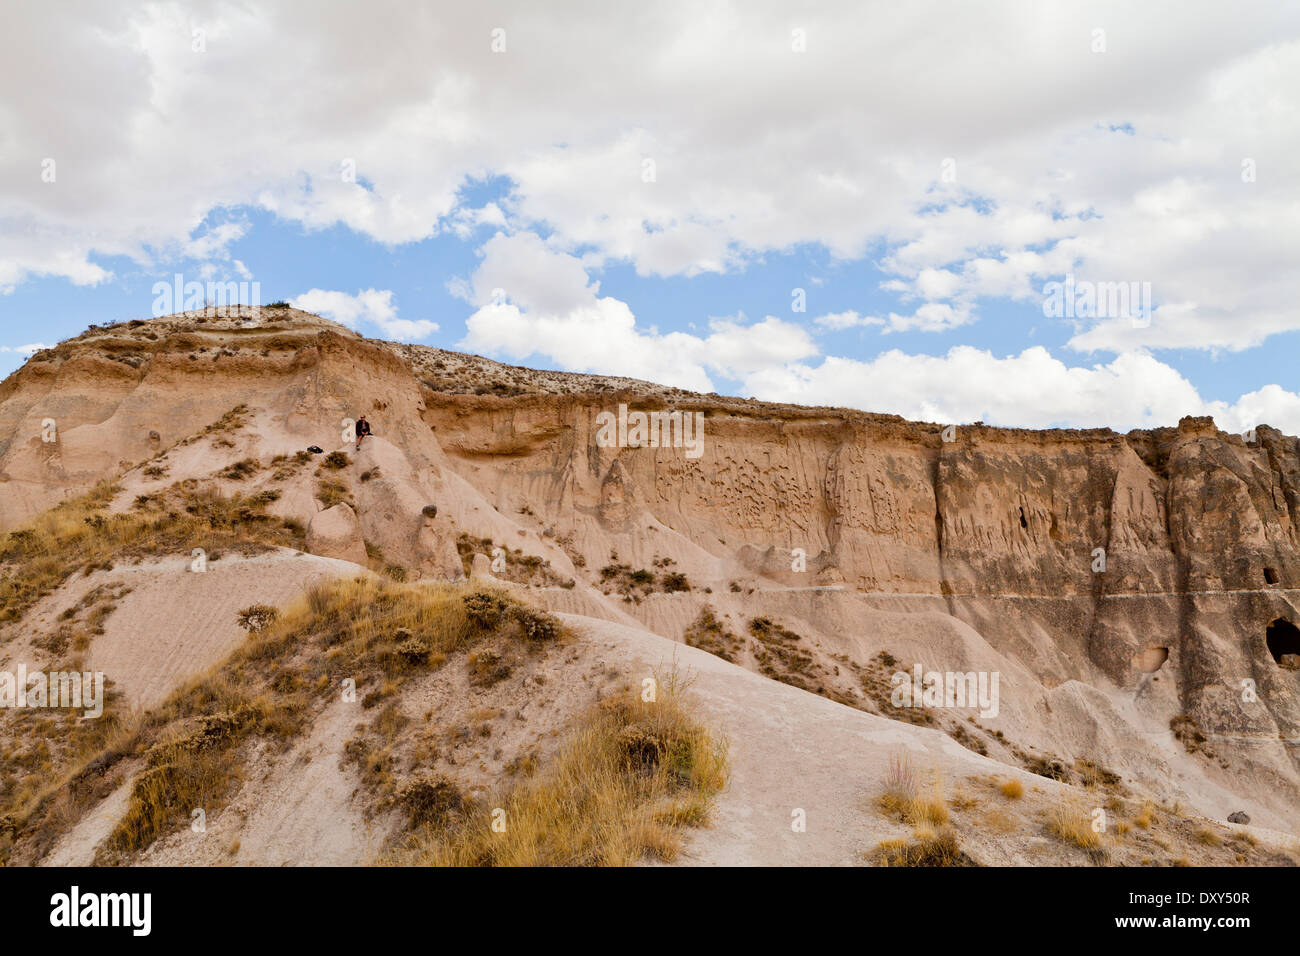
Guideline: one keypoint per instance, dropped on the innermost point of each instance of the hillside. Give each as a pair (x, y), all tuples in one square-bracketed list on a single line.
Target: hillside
[(1135, 594)]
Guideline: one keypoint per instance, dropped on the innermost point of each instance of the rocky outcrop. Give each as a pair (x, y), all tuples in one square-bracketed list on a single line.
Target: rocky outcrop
[(336, 533), (1149, 565)]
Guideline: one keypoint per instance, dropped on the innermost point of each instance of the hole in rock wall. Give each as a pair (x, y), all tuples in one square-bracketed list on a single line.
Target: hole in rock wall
[(1152, 659), (1270, 576), (1283, 639)]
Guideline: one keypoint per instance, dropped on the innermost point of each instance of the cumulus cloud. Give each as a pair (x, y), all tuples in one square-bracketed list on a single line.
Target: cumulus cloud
[(835, 321), (374, 306), (534, 300), (696, 142), (1032, 389)]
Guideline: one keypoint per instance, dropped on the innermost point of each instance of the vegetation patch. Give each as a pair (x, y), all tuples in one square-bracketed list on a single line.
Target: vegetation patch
[(631, 776), (1188, 733), (511, 564), (709, 634), (929, 846), (80, 536), (636, 585), (332, 491)]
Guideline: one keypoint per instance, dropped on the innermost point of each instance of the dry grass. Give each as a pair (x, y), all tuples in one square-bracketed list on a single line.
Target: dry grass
[(1012, 789), (1146, 817), (376, 632), (55, 766), (1074, 825), (929, 846), (905, 797), (1207, 837), (331, 492), (79, 535), (629, 778)]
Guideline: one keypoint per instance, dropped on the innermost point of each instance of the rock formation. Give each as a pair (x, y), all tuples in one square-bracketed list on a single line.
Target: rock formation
[(1119, 583)]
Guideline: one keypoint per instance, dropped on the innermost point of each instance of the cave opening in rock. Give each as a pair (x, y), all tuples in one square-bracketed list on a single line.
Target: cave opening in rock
[(1152, 659), (1024, 522), (1270, 576), (1282, 638)]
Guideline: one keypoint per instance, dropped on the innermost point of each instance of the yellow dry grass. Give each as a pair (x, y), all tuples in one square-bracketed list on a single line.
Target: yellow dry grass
[(631, 776)]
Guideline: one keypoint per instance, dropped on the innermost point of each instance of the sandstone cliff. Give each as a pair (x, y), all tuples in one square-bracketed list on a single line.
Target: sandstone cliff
[(1118, 582)]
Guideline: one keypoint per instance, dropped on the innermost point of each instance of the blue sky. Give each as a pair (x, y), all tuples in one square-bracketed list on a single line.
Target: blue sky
[(643, 196)]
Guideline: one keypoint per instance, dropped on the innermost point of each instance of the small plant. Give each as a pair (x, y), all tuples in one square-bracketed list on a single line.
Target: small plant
[(1188, 733), (631, 775), (537, 626), (484, 609), (901, 785), (330, 492), (486, 668), (1094, 774), (429, 800), (336, 460), (1146, 818), (413, 651), (674, 581), (1046, 767), (1072, 825), (241, 469), (1012, 789), (930, 846), (257, 618)]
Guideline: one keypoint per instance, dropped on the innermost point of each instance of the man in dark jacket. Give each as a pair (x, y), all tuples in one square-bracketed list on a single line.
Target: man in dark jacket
[(363, 429)]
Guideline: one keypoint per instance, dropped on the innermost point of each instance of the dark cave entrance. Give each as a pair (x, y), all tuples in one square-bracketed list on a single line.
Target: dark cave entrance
[(1282, 638), (1270, 576)]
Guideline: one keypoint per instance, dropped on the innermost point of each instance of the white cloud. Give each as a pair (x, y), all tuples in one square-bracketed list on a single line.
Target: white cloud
[(25, 349), (1032, 389), (930, 317), (374, 306), (1122, 165), (845, 320), (535, 300)]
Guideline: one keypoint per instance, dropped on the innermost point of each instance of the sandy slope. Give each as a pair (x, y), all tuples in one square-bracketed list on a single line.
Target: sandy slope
[(790, 750), (176, 623), (296, 809)]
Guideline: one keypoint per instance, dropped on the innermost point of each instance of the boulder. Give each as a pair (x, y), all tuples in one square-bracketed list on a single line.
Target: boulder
[(1239, 816), (481, 567), (336, 533)]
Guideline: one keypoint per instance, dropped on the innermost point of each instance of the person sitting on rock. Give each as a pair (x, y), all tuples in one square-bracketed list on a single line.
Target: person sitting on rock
[(363, 429)]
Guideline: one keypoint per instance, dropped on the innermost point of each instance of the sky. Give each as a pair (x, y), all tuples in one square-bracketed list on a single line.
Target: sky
[(1028, 214)]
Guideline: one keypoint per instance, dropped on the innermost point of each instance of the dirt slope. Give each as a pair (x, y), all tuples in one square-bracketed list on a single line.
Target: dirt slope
[(833, 548)]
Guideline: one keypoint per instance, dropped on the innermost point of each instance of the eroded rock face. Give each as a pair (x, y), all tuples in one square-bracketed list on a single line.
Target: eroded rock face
[(336, 533), (1151, 564)]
